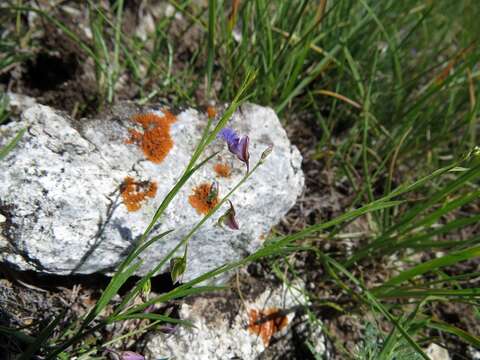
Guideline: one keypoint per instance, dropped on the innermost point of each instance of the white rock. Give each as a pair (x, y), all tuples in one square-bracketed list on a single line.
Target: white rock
[(436, 352), (473, 353), (19, 102), (3, 239), (60, 191), (216, 334), (317, 339)]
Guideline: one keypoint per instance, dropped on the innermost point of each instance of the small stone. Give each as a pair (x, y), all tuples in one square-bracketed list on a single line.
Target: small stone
[(18, 102), (222, 328), (79, 194), (436, 352), (473, 353), (3, 239)]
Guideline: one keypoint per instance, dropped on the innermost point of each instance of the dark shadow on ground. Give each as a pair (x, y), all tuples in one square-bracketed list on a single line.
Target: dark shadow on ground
[(160, 284)]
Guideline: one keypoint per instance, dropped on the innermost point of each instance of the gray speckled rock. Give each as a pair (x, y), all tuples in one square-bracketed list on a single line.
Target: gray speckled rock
[(214, 335), (222, 328), (60, 191)]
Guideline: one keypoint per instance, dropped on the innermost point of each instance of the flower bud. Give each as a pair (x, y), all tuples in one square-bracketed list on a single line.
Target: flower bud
[(178, 266), (266, 152), (228, 219)]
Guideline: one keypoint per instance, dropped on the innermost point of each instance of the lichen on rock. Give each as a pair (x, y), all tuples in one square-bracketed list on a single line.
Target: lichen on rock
[(266, 322), (199, 199), (134, 193), (155, 140), (222, 169)]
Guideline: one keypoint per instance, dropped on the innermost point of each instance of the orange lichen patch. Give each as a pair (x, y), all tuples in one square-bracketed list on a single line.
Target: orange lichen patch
[(266, 322), (134, 193), (222, 170), (200, 199), (211, 112), (155, 140)]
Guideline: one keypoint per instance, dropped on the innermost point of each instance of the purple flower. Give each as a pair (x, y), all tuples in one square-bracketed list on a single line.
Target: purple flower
[(230, 136), (130, 355), (228, 219), (236, 145)]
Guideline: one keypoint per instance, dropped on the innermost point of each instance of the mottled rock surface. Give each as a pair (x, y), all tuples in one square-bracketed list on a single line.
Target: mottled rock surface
[(436, 352), (224, 329), (61, 204)]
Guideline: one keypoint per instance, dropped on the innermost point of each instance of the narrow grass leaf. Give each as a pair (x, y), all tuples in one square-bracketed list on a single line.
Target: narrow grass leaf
[(447, 260), (9, 147), (154, 317), (451, 329)]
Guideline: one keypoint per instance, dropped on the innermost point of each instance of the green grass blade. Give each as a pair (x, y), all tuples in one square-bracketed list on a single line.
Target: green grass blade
[(462, 294), (111, 290), (447, 260), (451, 329), (212, 16), (116, 50), (11, 145), (372, 300), (154, 317)]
